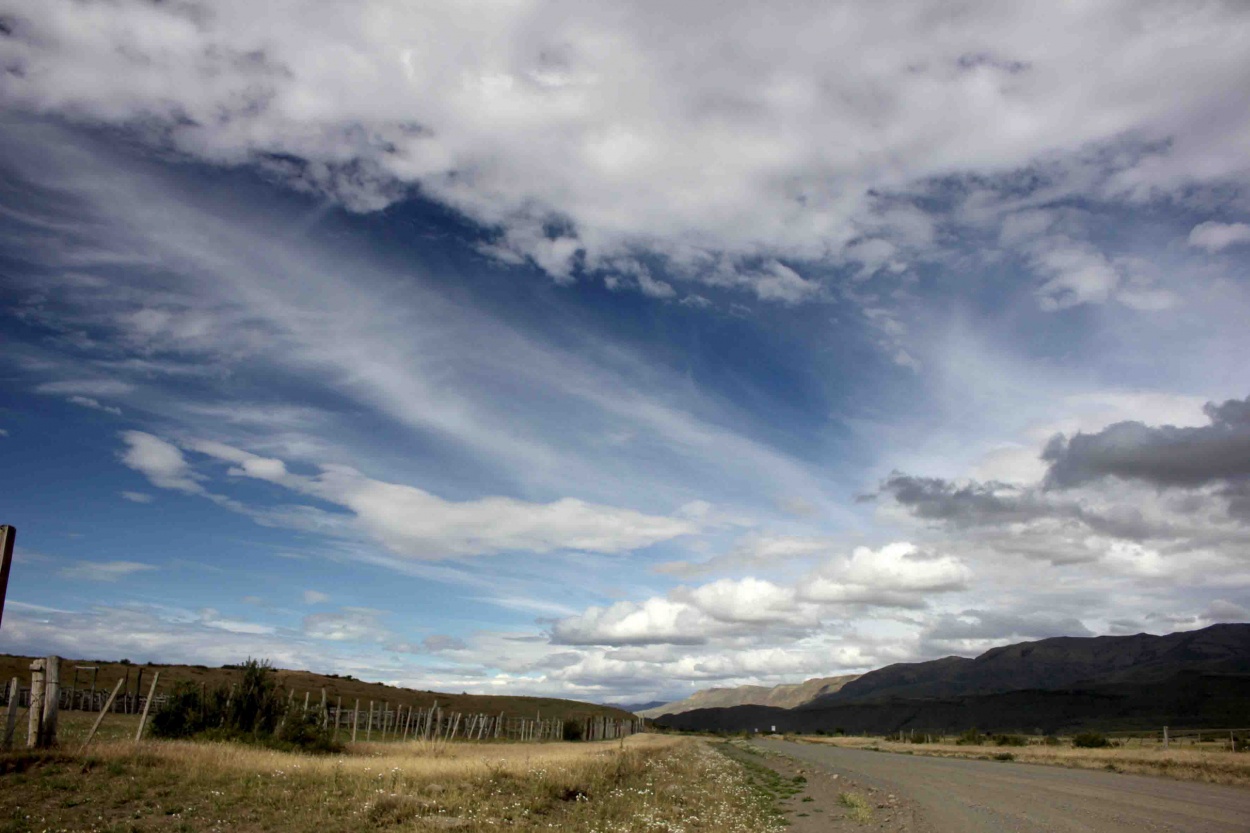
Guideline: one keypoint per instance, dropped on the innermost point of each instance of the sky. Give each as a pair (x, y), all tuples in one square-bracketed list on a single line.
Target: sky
[(615, 351)]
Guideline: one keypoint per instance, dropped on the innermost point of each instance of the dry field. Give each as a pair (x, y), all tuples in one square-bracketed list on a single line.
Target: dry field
[(644, 783), (1187, 764)]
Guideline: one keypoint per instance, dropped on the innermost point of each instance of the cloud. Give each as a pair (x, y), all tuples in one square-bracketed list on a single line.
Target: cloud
[(978, 630), (753, 552), (351, 624), (897, 575), (1216, 237), (138, 497), (94, 404), (314, 597), (160, 462), (584, 138), (1163, 456), (104, 570), (635, 623)]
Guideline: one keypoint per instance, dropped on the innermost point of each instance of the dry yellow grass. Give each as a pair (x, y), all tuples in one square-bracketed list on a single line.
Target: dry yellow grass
[(1212, 766), (644, 783)]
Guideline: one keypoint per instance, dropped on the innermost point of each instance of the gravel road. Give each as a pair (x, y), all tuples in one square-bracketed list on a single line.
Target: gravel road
[(962, 796)]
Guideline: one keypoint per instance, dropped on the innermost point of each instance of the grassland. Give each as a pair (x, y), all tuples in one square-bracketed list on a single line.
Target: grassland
[(644, 783), (302, 682), (1211, 764)]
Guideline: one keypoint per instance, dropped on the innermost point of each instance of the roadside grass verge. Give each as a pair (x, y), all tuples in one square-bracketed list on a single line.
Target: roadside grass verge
[(767, 787), (857, 807), (1210, 766), (644, 783)]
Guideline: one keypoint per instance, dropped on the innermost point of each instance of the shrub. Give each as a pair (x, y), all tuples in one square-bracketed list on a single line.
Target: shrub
[(572, 730), (1051, 740), (253, 711), (1010, 740), (1090, 740), (970, 738)]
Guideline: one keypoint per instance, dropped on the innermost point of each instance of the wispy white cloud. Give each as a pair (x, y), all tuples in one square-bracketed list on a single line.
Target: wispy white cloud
[(104, 570)]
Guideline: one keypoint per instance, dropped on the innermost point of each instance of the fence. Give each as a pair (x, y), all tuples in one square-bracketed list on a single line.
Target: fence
[(44, 698)]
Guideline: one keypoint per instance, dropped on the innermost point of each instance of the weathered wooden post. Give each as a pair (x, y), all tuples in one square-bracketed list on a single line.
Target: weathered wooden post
[(51, 698), (34, 730), (10, 721), (369, 725), (8, 534), (147, 705), (355, 719), (103, 711)]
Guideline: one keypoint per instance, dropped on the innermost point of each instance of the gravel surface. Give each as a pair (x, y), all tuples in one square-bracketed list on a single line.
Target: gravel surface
[(961, 796)]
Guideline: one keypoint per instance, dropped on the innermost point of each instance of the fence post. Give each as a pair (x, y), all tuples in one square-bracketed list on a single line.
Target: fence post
[(10, 721), (1165, 737), (103, 712), (34, 731), (355, 719), (147, 704)]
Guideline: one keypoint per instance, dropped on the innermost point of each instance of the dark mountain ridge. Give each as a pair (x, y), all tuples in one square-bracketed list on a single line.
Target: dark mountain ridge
[(1192, 679), (1060, 662)]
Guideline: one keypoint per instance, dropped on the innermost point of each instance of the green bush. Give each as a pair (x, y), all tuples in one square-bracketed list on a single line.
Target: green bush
[(572, 730), (1090, 740), (1010, 740), (970, 738), (1051, 740), (252, 711)]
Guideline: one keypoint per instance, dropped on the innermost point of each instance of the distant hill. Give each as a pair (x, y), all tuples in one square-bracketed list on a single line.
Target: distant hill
[(786, 696), (1058, 663), (1195, 679), (311, 683), (638, 708)]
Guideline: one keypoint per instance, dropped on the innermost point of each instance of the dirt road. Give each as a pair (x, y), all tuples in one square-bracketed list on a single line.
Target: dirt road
[(961, 796)]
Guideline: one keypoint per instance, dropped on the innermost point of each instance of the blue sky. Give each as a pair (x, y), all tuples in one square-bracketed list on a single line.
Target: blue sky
[(616, 353)]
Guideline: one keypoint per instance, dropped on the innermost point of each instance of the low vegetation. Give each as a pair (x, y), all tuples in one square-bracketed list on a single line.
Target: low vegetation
[(857, 807), (253, 711), (644, 783), (1209, 764)]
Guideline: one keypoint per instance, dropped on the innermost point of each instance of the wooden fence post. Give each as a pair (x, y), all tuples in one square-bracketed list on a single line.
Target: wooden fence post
[(34, 731), (355, 719), (10, 720), (103, 711), (147, 705), (369, 725), (51, 699)]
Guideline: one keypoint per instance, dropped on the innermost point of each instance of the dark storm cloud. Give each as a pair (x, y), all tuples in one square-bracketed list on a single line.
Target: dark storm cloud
[(1165, 456)]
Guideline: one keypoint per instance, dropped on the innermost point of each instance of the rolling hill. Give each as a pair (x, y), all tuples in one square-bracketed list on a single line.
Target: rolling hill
[(785, 696)]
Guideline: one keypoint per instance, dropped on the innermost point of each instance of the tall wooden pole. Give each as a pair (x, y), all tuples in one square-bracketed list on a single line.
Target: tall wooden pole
[(8, 534)]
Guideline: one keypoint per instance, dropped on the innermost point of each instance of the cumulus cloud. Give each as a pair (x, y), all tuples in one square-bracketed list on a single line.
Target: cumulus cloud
[(897, 575), (1215, 237), (584, 137), (636, 623), (1164, 455)]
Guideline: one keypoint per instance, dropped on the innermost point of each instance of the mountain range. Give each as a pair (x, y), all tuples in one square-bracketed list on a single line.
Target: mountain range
[(785, 696), (1192, 678)]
